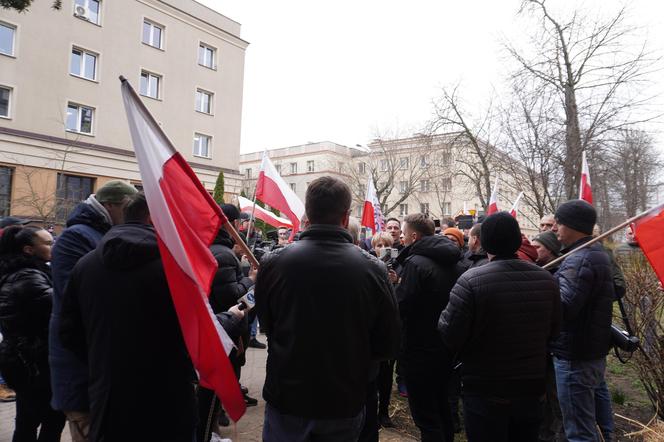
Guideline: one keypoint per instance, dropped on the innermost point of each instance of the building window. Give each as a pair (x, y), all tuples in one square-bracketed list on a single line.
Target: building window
[(447, 208), (278, 167), (361, 167), (83, 64), (403, 163), (424, 208), (5, 190), (384, 165), (204, 101), (293, 187), (71, 190), (310, 166), (403, 186), (293, 167), (403, 209), (152, 34), (424, 161), (425, 186), (446, 159), (363, 189), (5, 97), (202, 145), (447, 184), (247, 173), (206, 56), (149, 86), (87, 10), (79, 118), (7, 33)]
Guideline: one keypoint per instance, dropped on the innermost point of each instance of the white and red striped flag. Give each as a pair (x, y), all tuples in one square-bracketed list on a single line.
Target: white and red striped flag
[(247, 206), (273, 191), (515, 207), (493, 201), (372, 216), (585, 189), (186, 220)]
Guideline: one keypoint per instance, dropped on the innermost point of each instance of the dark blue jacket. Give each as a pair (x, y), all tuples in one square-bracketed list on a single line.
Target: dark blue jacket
[(69, 374), (587, 294)]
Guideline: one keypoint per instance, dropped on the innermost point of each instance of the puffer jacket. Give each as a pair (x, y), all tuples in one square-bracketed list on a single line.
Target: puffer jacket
[(498, 322), (69, 375), (587, 294), (428, 274), (25, 308), (229, 283)]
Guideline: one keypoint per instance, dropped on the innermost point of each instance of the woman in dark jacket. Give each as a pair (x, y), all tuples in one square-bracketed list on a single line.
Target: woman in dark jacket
[(25, 307)]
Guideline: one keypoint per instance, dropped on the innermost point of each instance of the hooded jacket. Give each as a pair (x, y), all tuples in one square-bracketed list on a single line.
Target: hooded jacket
[(69, 375), (428, 274), (229, 283), (118, 314)]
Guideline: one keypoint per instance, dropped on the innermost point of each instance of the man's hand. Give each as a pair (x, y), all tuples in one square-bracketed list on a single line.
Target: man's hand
[(235, 311), (252, 273), (392, 275)]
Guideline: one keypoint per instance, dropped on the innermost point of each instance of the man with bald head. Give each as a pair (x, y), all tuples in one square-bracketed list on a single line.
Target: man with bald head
[(546, 223)]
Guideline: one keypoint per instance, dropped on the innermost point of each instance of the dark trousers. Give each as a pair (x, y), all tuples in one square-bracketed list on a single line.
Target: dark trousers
[(427, 383), (490, 419), (208, 408), (278, 427), (384, 383), (370, 427), (32, 410)]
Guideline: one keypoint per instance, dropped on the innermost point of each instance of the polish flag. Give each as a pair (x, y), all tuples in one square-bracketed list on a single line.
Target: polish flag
[(273, 191), (515, 207), (649, 236), (585, 189), (493, 201), (247, 206), (186, 219), (372, 216)]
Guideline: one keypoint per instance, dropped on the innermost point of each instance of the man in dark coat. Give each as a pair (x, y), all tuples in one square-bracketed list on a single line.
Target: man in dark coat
[(428, 273), (86, 225), (329, 311), (498, 322), (475, 256), (587, 293)]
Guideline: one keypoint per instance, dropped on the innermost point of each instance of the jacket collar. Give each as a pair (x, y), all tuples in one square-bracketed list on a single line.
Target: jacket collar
[(576, 244), (326, 232)]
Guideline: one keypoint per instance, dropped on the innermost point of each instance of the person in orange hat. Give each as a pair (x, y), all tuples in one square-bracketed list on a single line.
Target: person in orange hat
[(455, 235)]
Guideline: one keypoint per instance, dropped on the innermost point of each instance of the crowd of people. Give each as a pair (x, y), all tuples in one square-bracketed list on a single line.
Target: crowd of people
[(91, 337)]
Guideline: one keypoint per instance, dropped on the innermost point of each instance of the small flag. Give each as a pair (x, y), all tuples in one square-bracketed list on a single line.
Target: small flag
[(585, 190), (493, 201), (372, 216), (247, 206), (515, 207)]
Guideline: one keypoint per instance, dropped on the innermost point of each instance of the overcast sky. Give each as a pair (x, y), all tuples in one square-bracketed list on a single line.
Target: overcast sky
[(346, 71)]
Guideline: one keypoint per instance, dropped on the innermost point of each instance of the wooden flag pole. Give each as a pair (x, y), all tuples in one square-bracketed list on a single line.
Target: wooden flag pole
[(238, 240)]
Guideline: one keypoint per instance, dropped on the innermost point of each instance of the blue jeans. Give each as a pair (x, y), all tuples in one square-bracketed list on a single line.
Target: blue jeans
[(584, 399), (279, 427)]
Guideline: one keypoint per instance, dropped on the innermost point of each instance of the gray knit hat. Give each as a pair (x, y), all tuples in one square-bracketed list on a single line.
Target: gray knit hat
[(549, 240), (115, 192)]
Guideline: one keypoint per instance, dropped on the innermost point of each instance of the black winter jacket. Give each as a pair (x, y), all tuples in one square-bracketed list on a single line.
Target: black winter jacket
[(428, 274), (471, 260), (498, 321), (587, 294), (329, 311), (229, 283)]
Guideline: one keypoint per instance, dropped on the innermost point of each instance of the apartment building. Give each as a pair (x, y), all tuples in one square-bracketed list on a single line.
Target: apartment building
[(63, 127)]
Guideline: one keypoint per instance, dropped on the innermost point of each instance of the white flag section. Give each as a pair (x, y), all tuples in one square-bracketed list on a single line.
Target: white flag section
[(515, 207), (186, 220), (247, 206), (493, 201)]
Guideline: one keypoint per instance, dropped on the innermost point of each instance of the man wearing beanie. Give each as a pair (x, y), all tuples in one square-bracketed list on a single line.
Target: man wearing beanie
[(587, 294), (548, 248), (87, 223), (498, 322)]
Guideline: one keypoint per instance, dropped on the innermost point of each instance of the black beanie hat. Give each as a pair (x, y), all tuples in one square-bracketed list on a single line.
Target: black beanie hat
[(549, 240), (578, 215), (231, 212), (500, 234)]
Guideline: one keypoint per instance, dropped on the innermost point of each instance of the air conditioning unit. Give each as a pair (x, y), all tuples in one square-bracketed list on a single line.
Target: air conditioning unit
[(82, 12)]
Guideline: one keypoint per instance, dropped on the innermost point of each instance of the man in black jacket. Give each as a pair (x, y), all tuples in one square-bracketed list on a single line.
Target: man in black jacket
[(329, 311), (428, 274), (498, 322), (587, 293)]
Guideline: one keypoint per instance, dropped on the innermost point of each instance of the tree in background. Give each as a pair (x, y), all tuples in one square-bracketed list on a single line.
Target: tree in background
[(219, 188), (22, 5)]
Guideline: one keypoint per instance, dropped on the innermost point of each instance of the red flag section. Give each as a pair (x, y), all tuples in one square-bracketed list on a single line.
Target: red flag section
[(585, 190), (649, 231), (186, 219), (515, 207), (372, 216)]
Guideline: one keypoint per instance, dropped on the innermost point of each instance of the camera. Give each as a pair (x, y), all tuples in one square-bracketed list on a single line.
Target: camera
[(388, 255), (622, 340)]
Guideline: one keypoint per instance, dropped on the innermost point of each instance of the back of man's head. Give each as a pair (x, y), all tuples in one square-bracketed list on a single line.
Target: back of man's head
[(327, 201), (115, 192), (420, 223), (136, 210)]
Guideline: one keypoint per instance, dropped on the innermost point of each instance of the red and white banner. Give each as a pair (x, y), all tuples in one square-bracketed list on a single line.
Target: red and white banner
[(515, 207), (247, 206), (493, 201), (273, 191), (372, 216), (585, 189), (186, 220), (649, 236)]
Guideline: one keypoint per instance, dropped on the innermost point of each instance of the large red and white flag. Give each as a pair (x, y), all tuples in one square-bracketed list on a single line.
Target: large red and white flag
[(186, 220), (247, 206), (515, 207), (649, 236), (273, 191), (372, 216), (585, 190), (493, 201)]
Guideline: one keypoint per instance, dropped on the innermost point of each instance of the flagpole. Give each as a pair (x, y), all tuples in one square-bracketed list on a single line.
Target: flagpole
[(238, 240), (251, 219), (600, 237)]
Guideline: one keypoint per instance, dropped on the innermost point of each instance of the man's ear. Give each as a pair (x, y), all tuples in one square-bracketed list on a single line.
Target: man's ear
[(344, 222)]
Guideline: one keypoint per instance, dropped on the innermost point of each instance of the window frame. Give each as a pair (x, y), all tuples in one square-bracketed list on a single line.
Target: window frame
[(61, 213), (150, 75), (5, 211), (403, 209), (424, 206), (425, 186), (153, 24), (248, 173), (293, 168), (311, 166), (384, 165), (362, 167), (86, 5), (209, 145), (78, 130), (403, 186), (210, 101), (82, 63), (213, 61), (10, 100), (404, 163), (293, 187), (14, 29)]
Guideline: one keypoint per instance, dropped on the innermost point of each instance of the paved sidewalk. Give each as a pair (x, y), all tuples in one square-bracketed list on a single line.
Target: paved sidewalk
[(249, 429)]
